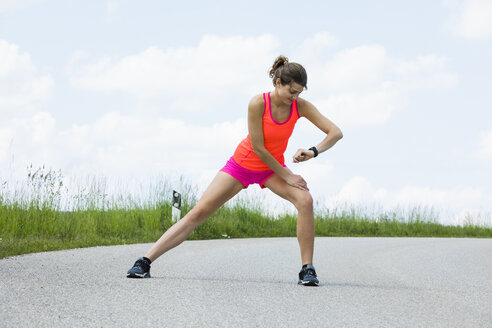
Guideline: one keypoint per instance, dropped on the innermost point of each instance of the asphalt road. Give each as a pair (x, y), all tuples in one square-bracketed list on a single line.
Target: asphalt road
[(365, 282)]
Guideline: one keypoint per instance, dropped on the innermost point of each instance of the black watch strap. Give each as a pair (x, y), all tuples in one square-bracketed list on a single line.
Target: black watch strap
[(314, 150)]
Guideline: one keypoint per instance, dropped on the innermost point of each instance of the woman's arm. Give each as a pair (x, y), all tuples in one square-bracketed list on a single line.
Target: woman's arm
[(255, 129), (333, 132)]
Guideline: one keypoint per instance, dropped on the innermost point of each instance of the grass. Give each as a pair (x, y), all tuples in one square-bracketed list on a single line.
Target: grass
[(43, 216)]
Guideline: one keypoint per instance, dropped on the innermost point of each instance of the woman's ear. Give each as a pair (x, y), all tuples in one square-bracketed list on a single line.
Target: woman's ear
[(278, 83)]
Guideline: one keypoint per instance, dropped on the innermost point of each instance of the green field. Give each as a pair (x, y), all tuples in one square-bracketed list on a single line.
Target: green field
[(32, 219)]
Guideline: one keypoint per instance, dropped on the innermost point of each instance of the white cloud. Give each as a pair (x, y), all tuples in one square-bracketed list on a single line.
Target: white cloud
[(121, 145), (205, 72), (438, 197), (364, 85), (20, 84), (316, 173), (358, 190), (74, 60), (315, 48), (356, 86), (453, 206), (355, 68), (371, 107), (472, 19), (425, 72), (33, 136), (485, 146)]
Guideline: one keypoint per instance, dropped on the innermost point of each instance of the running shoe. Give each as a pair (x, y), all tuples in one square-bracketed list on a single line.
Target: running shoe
[(141, 269), (307, 276)]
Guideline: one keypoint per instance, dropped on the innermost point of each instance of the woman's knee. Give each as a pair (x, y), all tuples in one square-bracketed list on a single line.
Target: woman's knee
[(198, 215), (304, 201)]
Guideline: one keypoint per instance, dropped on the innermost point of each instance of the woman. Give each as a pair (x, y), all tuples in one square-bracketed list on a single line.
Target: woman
[(259, 158)]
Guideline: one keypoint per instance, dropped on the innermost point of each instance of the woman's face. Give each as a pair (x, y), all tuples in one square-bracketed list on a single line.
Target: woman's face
[(289, 92)]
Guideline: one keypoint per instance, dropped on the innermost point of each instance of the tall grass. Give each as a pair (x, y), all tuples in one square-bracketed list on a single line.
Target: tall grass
[(43, 214)]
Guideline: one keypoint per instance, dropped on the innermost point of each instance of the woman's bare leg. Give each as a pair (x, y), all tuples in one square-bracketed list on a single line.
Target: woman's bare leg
[(222, 188), (303, 201)]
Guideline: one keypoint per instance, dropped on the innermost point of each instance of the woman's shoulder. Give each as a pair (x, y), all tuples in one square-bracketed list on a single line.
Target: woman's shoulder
[(257, 101), (302, 101), (304, 106)]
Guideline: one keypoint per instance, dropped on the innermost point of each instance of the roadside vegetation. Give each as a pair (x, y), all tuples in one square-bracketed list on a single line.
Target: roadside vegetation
[(39, 216)]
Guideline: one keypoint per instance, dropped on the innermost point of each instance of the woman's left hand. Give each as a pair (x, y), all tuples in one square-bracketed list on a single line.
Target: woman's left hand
[(303, 155)]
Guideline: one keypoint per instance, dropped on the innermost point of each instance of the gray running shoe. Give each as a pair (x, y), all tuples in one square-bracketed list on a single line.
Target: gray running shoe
[(141, 269), (307, 276)]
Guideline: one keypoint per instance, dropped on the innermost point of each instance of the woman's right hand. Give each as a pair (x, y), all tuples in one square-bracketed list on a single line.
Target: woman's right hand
[(297, 181)]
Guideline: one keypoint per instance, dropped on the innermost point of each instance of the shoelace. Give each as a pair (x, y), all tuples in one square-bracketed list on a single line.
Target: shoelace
[(140, 263), (310, 272)]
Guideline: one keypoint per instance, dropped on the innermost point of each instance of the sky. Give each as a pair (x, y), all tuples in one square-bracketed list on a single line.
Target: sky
[(132, 91)]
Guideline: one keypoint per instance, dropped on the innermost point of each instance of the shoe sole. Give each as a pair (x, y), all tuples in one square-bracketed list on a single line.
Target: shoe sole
[(136, 275), (308, 283)]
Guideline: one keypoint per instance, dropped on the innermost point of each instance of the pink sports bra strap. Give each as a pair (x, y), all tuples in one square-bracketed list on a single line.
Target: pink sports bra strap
[(266, 97)]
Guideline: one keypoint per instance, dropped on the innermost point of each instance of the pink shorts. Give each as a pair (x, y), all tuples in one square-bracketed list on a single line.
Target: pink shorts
[(245, 176)]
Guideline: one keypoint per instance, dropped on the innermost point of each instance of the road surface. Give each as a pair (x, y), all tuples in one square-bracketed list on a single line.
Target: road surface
[(365, 282)]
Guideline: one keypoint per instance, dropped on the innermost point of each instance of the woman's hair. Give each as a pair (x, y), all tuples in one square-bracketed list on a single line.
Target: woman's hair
[(288, 72)]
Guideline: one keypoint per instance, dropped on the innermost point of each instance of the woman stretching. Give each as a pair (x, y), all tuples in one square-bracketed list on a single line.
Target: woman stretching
[(259, 158)]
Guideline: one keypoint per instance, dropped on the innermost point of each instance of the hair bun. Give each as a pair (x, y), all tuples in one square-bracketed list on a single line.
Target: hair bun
[(279, 62)]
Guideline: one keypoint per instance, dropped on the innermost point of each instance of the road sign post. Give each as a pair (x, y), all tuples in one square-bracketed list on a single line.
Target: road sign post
[(176, 206)]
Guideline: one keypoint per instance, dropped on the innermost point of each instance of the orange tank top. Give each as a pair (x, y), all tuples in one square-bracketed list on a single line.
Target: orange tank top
[(275, 135)]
